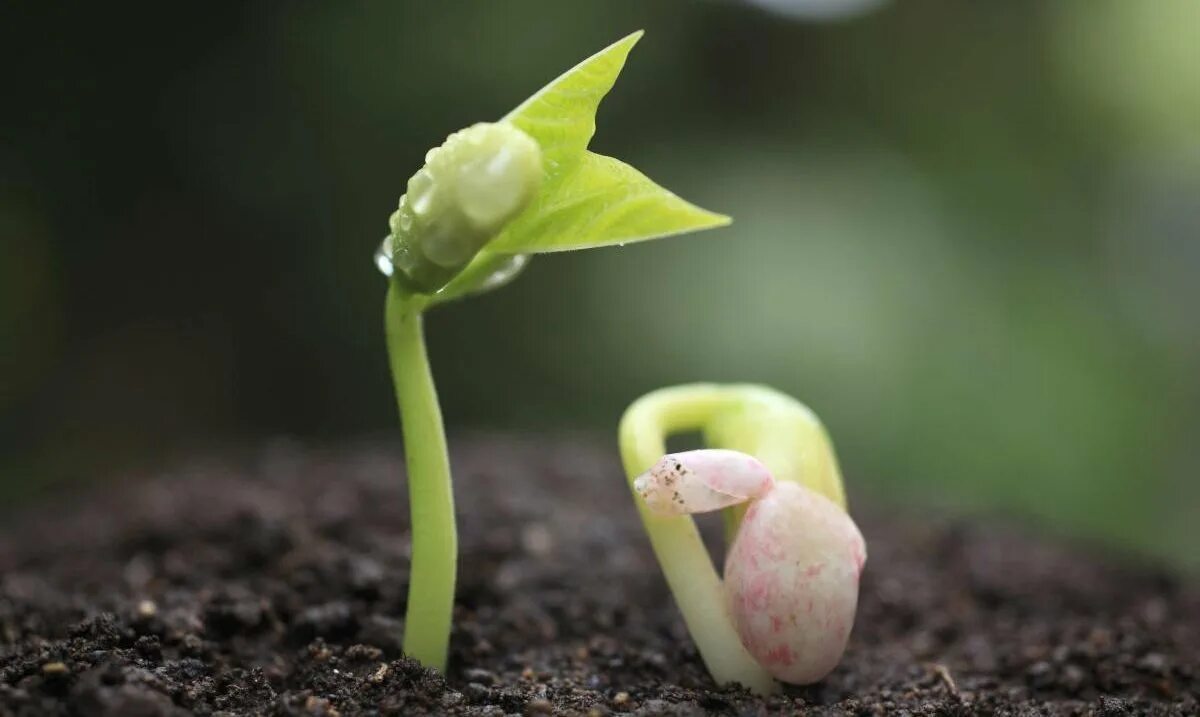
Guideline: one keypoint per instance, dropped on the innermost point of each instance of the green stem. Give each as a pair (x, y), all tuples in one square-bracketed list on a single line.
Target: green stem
[(431, 498), (681, 554)]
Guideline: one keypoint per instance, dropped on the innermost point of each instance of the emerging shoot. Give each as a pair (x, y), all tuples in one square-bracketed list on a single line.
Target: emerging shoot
[(469, 188), (786, 604), (492, 195)]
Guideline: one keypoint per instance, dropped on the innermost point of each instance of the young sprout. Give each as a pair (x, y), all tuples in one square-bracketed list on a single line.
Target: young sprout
[(786, 605), (490, 196)]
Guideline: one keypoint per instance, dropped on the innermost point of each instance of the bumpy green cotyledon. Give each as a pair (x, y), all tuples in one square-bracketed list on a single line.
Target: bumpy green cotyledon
[(469, 189)]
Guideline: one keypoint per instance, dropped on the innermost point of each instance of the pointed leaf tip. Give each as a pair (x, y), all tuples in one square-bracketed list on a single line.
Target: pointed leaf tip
[(600, 202), (589, 200), (561, 116)]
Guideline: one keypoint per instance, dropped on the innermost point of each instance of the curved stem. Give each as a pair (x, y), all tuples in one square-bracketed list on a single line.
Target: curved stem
[(773, 427), (431, 498), (681, 554)]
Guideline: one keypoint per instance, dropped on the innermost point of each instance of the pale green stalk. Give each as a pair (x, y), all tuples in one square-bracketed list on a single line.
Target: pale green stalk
[(431, 499), (676, 541)]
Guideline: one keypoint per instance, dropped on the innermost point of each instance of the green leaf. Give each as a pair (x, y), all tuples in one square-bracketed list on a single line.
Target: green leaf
[(562, 115), (589, 200), (598, 202)]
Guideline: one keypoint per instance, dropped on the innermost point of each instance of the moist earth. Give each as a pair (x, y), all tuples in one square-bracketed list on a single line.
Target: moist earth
[(275, 584)]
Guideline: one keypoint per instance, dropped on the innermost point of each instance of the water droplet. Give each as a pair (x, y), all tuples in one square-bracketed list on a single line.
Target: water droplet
[(504, 273), (421, 191), (383, 257)]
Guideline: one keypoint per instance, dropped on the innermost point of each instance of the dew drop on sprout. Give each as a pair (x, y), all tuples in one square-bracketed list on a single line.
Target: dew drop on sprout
[(502, 270), (383, 256), (792, 569)]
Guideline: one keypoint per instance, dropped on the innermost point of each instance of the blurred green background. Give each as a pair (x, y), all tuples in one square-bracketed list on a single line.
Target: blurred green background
[(966, 234)]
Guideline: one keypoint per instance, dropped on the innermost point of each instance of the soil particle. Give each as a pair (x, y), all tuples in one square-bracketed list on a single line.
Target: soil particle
[(276, 585)]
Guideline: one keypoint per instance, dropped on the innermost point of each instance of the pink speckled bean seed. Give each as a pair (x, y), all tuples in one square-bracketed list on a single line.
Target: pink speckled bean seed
[(702, 481), (792, 571), (791, 582)]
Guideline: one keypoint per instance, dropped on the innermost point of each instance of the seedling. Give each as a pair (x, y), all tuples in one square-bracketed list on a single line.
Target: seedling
[(492, 195), (793, 555)]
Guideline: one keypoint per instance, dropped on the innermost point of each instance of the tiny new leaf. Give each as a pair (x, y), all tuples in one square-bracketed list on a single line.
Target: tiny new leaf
[(589, 200), (586, 199)]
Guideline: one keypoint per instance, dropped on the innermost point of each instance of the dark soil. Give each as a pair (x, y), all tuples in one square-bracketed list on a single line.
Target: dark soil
[(278, 587)]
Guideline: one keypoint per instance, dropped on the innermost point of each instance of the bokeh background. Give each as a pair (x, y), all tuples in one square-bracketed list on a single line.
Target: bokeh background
[(966, 234)]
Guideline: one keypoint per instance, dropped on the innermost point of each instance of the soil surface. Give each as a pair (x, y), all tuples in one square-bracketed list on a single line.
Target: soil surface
[(276, 585)]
